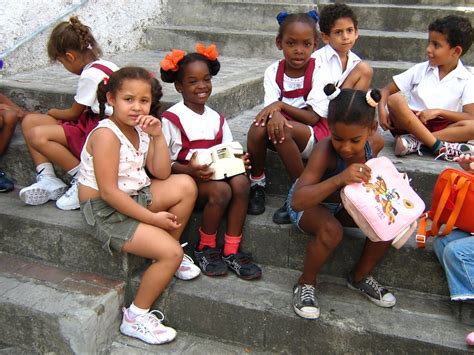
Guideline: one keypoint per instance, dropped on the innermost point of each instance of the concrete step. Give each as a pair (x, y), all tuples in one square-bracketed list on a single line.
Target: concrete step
[(371, 45), (259, 314), (261, 16), (44, 309), (237, 87), (414, 2), (59, 237), (185, 344)]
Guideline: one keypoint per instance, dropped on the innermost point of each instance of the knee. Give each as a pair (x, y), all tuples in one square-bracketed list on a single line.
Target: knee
[(28, 122), (256, 134), (187, 186), (175, 255), (220, 195), (330, 234), (240, 186), (452, 255), (34, 136), (394, 101), (365, 70)]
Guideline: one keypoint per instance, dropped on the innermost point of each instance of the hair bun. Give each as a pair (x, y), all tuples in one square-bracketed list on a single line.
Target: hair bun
[(373, 97), (331, 91)]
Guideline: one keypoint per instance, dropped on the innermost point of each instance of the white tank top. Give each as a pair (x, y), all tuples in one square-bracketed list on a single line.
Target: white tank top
[(131, 170)]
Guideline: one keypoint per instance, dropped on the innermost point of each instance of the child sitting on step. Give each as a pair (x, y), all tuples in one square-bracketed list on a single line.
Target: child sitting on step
[(290, 123), (314, 202), (340, 66), (59, 136), (190, 125), (128, 211), (10, 114), (439, 111)]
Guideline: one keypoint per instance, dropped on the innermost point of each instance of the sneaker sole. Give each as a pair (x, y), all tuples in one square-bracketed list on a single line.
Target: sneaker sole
[(255, 213), (137, 336), (306, 315), (250, 277), (7, 190), (373, 300), (212, 274), (67, 208), (34, 197), (56, 194)]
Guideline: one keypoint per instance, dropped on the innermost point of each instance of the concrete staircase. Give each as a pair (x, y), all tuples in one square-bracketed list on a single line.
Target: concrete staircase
[(61, 291)]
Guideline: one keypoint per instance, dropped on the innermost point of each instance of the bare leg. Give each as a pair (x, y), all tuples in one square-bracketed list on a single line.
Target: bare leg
[(404, 119), (154, 243), (216, 196), (360, 77), (237, 210), (8, 120), (461, 131), (257, 148), (296, 139), (177, 195)]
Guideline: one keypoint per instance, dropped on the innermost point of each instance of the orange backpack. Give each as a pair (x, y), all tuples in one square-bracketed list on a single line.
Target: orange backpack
[(452, 205)]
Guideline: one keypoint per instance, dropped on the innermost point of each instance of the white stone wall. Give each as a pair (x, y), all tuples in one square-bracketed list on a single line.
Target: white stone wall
[(117, 25)]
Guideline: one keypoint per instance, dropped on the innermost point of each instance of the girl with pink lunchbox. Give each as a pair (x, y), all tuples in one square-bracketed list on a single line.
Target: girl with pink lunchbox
[(314, 202)]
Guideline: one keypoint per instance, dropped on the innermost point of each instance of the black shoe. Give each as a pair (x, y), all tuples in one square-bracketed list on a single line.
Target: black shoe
[(242, 265), (256, 200), (5, 183), (210, 262), (374, 291), (281, 215)]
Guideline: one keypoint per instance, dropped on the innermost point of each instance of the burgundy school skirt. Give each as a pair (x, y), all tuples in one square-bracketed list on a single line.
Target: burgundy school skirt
[(77, 131), (434, 125)]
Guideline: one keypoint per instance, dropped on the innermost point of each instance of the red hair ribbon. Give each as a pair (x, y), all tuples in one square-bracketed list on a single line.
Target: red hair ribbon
[(210, 52), (172, 59), (105, 80)]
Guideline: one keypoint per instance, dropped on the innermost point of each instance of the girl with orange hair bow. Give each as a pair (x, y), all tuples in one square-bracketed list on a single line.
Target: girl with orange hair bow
[(190, 125)]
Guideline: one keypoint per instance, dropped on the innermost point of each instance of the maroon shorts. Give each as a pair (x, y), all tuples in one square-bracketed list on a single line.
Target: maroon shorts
[(77, 131), (434, 125)]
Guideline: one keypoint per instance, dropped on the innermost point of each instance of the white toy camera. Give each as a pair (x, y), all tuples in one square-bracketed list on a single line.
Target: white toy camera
[(224, 159)]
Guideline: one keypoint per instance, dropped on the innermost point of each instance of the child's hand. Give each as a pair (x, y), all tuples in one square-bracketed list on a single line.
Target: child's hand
[(149, 124), (166, 221), (427, 115), (354, 173), (384, 120), (466, 162), (267, 113), (202, 172), (275, 128), (246, 160)]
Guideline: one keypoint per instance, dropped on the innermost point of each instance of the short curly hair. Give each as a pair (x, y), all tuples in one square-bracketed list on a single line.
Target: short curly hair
[(457, 29), (331, 13)]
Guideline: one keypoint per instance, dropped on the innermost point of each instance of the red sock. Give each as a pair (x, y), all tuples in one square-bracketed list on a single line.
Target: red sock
[(231, 244), (207, 240)]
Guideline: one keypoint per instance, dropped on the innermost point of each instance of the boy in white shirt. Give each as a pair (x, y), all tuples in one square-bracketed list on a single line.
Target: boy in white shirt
[(339, 31), (439, 112)]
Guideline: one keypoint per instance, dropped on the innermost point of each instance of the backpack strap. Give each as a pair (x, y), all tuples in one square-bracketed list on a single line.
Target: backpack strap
[(442, 203), (307, 84), (187, 145), (106, 70), (463, 186)]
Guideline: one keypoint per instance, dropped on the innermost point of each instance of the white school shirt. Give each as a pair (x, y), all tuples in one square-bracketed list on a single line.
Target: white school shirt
[(273, 92), (90, 78), (330, 73), (196, 126), (425, 91), (131, 170)]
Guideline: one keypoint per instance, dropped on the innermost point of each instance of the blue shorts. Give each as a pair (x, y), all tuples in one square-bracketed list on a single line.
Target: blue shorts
[(295, 217)]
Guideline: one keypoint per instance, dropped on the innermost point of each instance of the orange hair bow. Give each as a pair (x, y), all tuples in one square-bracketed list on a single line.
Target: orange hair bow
[(172, 59), (210, 52)]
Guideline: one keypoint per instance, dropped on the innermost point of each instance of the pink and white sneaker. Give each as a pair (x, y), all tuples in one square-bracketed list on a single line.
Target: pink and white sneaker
[(147, 327), (187, 270)]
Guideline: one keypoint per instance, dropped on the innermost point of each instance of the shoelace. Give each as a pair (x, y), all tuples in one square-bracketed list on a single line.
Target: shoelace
[(374, 284), (307, 293), (72, 189), (151, 319), (449, 151), (413, 144), (187, 259)]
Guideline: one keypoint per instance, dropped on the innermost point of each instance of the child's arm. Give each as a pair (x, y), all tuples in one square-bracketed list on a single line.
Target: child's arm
[(453, 116), (311, 191), (384, 118), (69, 114), (306, 116), (158, 160), (105, 148)]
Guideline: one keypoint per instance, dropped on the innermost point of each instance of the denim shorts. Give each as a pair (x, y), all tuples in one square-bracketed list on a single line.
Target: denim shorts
[(295, 216), (112, 228)]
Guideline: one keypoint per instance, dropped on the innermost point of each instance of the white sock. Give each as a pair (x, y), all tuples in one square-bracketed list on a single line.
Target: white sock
[(45, 169), (261, 180), (134, 311), (74, 171)]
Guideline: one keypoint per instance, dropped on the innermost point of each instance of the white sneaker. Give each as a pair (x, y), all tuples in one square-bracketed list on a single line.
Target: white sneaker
[(147, 328), (44, 189), (407, 144), (70, 199), (187, 270), (449, 151)]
